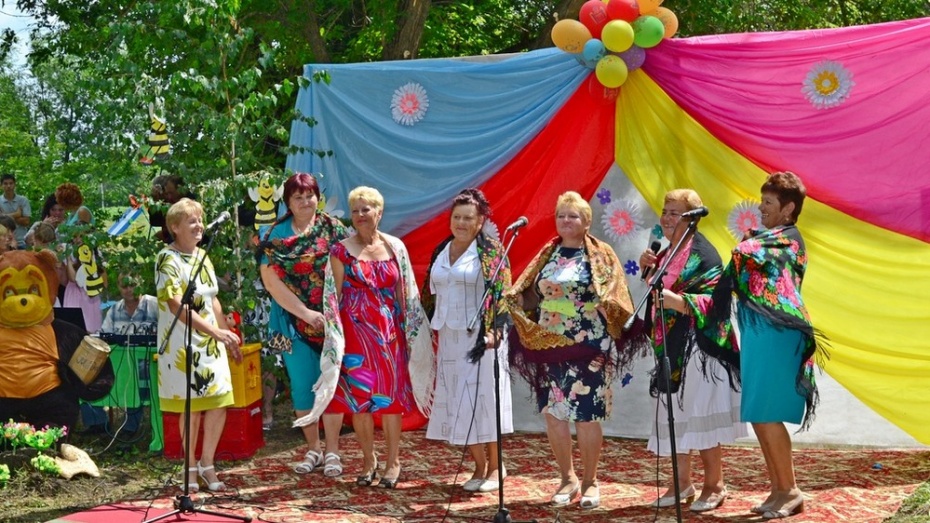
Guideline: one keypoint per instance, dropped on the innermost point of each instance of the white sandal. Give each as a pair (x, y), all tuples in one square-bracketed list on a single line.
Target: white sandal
[(312, 460), (332, 465)]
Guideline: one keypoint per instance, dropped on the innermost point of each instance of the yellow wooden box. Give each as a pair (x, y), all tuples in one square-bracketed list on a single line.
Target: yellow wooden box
[(247, 376)]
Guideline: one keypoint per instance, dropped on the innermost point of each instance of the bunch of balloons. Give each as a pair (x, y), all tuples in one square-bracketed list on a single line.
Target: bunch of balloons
[(611, 36)]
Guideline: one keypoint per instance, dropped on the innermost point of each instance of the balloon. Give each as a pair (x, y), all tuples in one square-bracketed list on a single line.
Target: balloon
[(611, 71), (618, 35), (593, 15), (648, 31), (570, 35), (627, 10), (590, 64), (669, 21), (634, 57), (593, 50), (647, 7)]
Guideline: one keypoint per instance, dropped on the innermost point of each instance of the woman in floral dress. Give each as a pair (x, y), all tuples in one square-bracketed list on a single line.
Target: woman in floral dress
[(293, 256), (569, 308)]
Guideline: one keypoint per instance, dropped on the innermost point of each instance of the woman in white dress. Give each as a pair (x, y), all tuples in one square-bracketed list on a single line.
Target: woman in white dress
[(706, 405), (460, 270), (211, 341)]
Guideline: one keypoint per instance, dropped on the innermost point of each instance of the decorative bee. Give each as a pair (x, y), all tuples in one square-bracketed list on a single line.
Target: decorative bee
[(266, 197), (88, 276), (158, 144)]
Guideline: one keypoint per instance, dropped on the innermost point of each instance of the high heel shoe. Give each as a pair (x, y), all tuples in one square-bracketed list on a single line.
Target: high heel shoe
[(560, 499), (789, 508), (193, 486), (589, 502), (367, 479), (212, 486), (390, 483), (712, 502), (686, 496)]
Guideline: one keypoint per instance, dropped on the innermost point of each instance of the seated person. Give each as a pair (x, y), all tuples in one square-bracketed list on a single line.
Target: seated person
[(7, 239), (133, 314)]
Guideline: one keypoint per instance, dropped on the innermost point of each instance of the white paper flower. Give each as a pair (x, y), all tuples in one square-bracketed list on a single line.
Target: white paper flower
[(329, 207), (743, 217), (490, 230), (621, 218), (828, 84), (409, 104)]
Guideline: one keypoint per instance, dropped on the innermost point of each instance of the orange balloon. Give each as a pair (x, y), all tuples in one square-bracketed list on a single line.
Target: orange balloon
[(648, 7), (669, 21), (570, 35)]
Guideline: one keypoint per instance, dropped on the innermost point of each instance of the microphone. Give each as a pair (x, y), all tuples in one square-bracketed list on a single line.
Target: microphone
[(521, 222), (654, 247), (694, 213), (215, 224)]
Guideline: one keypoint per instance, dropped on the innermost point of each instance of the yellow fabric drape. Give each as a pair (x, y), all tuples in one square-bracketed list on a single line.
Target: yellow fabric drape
[(867, 288)]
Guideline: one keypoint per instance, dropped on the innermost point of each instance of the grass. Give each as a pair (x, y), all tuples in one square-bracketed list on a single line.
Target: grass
[(915, 509)]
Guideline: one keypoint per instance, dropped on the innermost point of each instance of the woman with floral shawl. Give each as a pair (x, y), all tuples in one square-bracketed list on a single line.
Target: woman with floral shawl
[(465, 408), (375, 327), (706, 411), (292, 258), (777, 342), (569, 308)]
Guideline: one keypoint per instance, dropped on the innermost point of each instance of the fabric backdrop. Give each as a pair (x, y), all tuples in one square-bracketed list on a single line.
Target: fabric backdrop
[(712, 113)]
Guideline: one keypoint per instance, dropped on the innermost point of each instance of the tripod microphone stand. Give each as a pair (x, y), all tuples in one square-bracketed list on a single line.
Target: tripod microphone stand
[(184, 503), (656, 285), (502, 515)]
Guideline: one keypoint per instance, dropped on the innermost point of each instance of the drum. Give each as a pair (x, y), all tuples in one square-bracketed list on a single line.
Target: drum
[(88, 359)]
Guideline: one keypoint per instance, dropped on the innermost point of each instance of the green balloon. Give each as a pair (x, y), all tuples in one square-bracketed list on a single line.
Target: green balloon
[(648, 31)]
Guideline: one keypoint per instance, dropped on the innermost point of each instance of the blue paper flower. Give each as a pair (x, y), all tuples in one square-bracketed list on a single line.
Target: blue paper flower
[(657, 231), (603, 196), (626, 379), (631, 267)]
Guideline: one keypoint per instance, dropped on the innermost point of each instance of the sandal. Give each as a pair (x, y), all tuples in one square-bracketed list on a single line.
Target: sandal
[(332, 465), (312, 460)]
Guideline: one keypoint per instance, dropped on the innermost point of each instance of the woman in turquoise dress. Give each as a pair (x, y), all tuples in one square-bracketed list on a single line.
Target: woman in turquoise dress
[(569, 307), (292, 258), (777, 341)]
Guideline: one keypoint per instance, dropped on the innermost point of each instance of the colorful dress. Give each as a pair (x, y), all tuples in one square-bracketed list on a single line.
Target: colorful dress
[(578, 390), (464, 407), (299, 261), (374, 376), (211, 385), (707, 406)]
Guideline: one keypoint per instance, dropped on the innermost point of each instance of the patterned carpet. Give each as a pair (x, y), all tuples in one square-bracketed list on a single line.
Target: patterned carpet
[(840, 485)]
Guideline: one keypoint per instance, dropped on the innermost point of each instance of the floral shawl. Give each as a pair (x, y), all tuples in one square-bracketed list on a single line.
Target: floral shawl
[(765, 273), (532, 345), (416, 331), (492, 319), (299, 261), (697, 276)]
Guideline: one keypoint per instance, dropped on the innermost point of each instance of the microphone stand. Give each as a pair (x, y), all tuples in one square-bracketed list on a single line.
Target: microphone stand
[(502, 515), (656, 285), (184, 503)]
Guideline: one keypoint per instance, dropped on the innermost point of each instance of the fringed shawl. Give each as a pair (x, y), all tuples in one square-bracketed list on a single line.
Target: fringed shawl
[(765, 273), (697, 276), (421, 363), (493, 319), (532, 345)]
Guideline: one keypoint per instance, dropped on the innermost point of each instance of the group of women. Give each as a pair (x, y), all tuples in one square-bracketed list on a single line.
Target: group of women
[(356, 335)]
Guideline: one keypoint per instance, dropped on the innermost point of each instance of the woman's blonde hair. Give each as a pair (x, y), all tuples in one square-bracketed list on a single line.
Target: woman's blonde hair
[(184, 208), (368, 195), (44, 234), (575, 201), (689, 197)]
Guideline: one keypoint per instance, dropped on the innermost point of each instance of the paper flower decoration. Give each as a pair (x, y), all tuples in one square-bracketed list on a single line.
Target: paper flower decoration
[(620, 219), (828, 84), (744, 217), (631, 267), (409, 104), (490, 230), (603, 196)]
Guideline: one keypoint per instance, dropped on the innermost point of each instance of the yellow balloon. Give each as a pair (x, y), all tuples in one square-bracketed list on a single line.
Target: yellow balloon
[(669, 21), (570, 35), (611, 71), (648, 7), (617, 35)]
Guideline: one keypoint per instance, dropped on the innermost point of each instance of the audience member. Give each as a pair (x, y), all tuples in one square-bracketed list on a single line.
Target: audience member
[(52, 215), (16, 207)]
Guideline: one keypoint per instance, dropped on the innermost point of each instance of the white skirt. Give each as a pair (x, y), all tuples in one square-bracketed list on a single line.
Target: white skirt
[(463, 405), (707, 414)]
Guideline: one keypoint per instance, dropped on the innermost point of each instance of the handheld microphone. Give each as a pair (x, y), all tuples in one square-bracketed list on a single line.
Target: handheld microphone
[(215, 224), (694, 213), (654, 247), (521, 222)]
